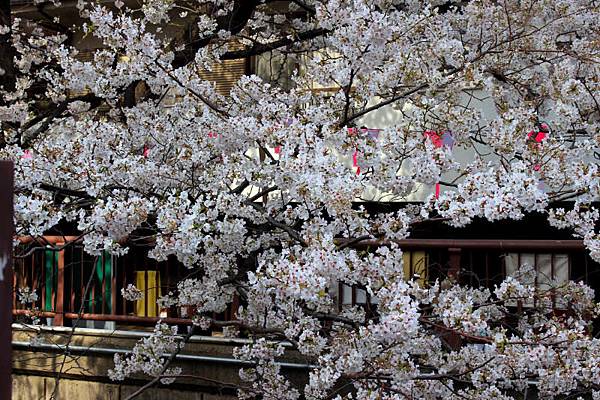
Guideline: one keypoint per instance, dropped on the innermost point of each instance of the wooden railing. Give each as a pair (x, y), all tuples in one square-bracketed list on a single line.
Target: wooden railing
[(77, 289)]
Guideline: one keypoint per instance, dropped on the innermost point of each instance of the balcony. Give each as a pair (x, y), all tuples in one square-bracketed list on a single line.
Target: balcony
[(78, 290)]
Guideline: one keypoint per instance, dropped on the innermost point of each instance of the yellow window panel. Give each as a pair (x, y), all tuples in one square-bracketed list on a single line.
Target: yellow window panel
[(415, 266), (151, 293)]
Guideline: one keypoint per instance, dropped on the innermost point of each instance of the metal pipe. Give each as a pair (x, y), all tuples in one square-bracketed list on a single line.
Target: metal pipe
[(182, 357), (130, 334)]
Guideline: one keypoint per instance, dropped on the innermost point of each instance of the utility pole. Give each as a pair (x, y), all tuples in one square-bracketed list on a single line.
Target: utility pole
[(7, 232)]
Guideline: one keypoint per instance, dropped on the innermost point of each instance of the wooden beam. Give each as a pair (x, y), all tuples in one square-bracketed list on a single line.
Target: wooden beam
[(6, 276)]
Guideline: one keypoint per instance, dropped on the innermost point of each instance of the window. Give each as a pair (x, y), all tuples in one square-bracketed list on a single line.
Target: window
[(415, 265), (552, 269)]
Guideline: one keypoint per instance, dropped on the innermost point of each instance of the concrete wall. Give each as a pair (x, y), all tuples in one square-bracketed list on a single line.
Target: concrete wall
[(29, 387), (84, 371)]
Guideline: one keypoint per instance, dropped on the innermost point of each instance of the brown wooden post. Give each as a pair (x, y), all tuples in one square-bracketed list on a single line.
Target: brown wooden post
[(60, 288), (454, 263), (235, 304), (7, 232), (452, 338), (113, 285)]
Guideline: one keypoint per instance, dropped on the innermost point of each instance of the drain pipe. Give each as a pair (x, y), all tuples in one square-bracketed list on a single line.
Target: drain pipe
[(37, 347), (132, 334)]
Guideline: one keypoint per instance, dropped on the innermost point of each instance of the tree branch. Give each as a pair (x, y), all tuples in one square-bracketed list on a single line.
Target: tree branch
[(290, 231), (260, 48), (163, 370), (233, 22)]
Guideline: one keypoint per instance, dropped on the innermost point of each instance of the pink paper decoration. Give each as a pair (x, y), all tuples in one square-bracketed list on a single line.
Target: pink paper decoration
[(436, 138), (439, 139), (536, 138), (372, 133), (355, 162)]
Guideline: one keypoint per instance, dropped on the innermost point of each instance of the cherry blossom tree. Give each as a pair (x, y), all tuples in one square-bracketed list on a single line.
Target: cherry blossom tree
[(251, 190)]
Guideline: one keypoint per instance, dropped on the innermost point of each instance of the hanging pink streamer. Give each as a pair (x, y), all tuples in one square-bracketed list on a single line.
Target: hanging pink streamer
[(373, 133), (439, 139)]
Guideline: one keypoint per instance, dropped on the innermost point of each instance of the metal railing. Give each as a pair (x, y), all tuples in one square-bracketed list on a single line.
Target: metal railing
[(77, 289)]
